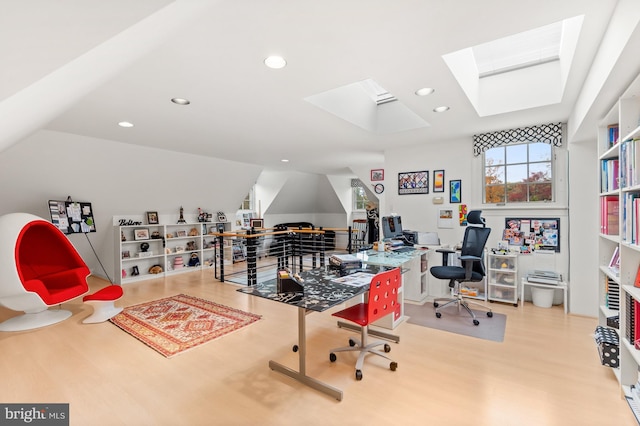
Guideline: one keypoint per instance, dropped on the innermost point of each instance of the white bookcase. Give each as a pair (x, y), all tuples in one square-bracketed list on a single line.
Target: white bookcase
[(170, 247), (617, 293)]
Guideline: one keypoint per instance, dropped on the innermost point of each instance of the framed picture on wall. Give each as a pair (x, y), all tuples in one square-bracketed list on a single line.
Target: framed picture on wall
[(455, 191), (413, 182), (438, 181), (377, 174)]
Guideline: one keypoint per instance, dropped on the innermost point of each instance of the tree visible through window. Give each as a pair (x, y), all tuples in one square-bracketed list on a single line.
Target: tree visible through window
[(359, 198), (518, 173)]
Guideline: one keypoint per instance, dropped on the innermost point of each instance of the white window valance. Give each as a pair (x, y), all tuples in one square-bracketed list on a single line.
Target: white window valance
[(545, 133)]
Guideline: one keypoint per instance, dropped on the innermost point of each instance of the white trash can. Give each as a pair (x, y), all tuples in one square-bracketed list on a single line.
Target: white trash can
[(542, 297)]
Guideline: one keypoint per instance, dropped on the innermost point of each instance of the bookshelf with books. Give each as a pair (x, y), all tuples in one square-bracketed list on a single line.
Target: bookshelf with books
[(619, 242)]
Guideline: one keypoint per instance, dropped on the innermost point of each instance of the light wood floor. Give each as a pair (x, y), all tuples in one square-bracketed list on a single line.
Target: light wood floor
[(546, 372)]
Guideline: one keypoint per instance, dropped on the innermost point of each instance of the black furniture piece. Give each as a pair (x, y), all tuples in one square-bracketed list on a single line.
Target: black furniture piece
[(307, 242), (472, 269)]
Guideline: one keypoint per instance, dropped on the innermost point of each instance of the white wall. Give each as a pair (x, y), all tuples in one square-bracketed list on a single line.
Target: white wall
[(119, 180)]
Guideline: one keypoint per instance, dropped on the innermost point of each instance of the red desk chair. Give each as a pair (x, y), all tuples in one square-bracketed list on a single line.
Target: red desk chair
[(382, 301)]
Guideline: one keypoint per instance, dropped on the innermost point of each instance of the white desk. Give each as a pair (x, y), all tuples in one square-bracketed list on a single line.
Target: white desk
[(562, 286)]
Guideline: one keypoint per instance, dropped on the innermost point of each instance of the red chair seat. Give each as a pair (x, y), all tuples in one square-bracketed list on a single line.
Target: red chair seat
[(112, 292), (356, 313)]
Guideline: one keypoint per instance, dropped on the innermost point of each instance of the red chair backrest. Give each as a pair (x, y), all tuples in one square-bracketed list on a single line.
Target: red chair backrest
[(41, 249), (383, 294)]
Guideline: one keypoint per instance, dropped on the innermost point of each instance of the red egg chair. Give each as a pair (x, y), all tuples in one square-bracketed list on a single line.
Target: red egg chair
[(39, 268)]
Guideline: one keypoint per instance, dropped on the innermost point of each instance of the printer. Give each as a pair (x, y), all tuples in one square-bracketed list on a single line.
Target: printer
[(422, 238)]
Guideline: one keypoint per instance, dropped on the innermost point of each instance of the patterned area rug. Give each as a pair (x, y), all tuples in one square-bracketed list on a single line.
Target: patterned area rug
[(178, 323)]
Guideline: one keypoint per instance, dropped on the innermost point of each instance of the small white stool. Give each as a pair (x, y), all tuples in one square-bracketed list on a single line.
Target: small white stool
[(102, 302)]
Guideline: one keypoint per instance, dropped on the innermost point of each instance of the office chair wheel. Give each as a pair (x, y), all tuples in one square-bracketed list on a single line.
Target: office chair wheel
[(476, 322), (295, 348), (352, 342), (436, 304), (393, 366), (490, 314), (358, 374), (438, 314), (332, 357), (387, 348)]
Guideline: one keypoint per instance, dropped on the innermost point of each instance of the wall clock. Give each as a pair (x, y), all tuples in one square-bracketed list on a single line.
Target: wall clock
[(378, 188)]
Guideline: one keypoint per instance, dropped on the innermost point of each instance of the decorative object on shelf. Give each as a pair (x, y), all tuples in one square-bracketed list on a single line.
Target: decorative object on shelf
[(126, 254), (181, 234), (144, 247), (178, 262), (135, 271), (222, 217), (455, 191), (377, 174), (181, 219), (413, 182), (129, 222), (194, 260), (155, 235), (203, 216), (179, 249), (124, 273), (122, 236), (256, 223), (155, 269), (438, 181), (193, 232), (141, 234), (378, 188), (152, 218), (191, 245)]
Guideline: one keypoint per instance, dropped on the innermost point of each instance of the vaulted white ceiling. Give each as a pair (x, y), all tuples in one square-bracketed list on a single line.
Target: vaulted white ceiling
[(83, 66)]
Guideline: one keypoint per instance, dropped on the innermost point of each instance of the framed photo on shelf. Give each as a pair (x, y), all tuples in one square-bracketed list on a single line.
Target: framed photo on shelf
[(256, 223), (141, 234), (438, 181), (182, 233), (126, 254), (377, 174), (455, 191), (152, 218), (413, 182)]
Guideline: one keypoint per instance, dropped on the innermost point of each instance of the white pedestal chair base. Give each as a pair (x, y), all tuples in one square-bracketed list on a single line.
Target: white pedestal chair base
[(102, 303), (103, 310), (29, 321)]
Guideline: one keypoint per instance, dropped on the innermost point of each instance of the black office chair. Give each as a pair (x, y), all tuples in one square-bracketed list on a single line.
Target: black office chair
[(472, 269)]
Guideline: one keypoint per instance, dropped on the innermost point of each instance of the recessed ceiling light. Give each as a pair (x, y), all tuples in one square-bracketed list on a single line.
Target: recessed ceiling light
[(180, 101), (284, 160), (125, 124), (275, 62), (424, 91), (441, 109)]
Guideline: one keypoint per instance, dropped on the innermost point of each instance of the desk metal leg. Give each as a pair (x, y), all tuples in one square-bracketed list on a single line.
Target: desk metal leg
[(301, 375), (381, 334)]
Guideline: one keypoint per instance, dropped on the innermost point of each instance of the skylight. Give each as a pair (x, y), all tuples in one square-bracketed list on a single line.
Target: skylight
[(518, 51), (369, 106), (522, 71)]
